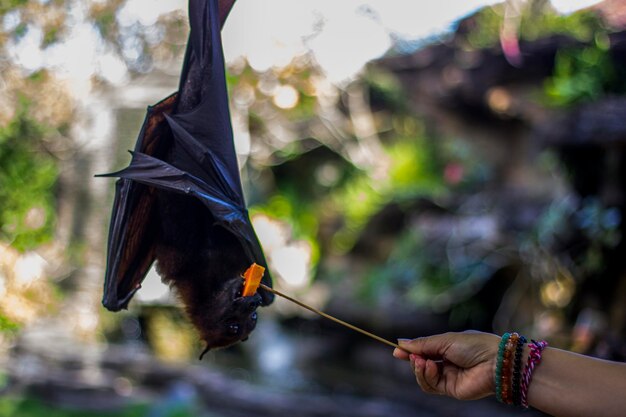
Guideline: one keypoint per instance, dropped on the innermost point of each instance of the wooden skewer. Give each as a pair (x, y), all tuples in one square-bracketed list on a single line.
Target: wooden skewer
[(328, 316)]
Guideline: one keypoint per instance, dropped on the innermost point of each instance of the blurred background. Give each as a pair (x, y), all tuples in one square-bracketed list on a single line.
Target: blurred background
[(410, 167)]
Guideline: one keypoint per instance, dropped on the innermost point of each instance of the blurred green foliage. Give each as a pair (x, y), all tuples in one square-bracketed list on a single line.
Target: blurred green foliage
[(414, 170), (581, 73), (601, 227), (584, 74), (423, 272), (13, 407), (6, 325), (353, 195), (104, 18), (415, 167), (30, 407), (584, 71), (302, 217), (8, 5), (538, 20), (27, 178), (385, 91), (408, 268), (597, 225)]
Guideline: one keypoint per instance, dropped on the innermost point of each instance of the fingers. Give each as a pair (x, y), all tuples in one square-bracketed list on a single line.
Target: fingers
[(441, 363), (460, 348), (427, 374)]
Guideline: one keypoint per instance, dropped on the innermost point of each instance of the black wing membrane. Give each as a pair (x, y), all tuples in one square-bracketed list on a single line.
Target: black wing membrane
[(194, 128), (133, 228)]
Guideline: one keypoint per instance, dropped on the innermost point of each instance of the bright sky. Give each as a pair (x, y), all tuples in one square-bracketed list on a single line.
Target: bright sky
[(352, 31), (343, 34)]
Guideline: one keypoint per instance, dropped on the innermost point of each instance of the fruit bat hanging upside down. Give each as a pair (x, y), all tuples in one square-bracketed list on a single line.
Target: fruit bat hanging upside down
[(180, 200)]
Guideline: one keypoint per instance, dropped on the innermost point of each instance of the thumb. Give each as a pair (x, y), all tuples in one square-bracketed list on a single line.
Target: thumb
[(429, 347)]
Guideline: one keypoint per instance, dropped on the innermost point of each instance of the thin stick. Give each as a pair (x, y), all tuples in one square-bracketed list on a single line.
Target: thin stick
[(328, 316)]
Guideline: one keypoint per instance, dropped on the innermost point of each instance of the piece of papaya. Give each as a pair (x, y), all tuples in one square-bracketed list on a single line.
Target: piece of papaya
[(252, 279)]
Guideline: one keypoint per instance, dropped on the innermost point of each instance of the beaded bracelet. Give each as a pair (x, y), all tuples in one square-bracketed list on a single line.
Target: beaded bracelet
[(504, 365), (517, 371), (507, 368), (498, 373), (534, 359)]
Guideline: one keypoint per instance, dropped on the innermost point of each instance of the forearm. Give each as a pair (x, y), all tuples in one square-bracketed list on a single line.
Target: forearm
[(566, 384), (563, 384)]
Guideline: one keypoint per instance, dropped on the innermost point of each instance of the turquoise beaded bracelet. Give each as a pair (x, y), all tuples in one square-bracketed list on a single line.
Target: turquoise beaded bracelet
[(498, 374)]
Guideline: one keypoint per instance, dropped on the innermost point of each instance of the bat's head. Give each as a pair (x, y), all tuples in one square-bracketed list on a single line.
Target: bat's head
[(215, 306), (231, 317)]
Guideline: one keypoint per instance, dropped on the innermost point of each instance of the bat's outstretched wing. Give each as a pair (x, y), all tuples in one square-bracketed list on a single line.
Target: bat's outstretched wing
[(133, 228), (192, 130)]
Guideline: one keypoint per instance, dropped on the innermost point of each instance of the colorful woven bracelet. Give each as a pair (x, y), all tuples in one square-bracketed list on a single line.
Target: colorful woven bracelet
[(517, 371), (534, 359), (498, 372)]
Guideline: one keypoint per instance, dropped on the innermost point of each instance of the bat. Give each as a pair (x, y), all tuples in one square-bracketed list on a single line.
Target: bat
[(180, 201)]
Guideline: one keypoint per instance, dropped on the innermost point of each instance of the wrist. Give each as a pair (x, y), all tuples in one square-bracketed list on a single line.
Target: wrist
[(490, 348)]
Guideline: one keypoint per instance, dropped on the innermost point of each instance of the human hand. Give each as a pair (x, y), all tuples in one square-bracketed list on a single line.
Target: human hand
[(459, 365)]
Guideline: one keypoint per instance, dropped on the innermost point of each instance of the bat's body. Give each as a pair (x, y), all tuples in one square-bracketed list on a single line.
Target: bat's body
[(180, 200), (204, 262)]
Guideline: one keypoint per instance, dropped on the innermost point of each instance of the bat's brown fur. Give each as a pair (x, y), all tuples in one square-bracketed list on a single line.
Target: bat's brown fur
[(204, 262)]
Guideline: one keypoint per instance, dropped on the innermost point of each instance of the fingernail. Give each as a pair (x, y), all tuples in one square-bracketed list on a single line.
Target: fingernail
[(413, 356), (403, 340)]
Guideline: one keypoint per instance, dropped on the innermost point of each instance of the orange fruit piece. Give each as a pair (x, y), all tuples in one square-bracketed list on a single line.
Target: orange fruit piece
[(252, 279)]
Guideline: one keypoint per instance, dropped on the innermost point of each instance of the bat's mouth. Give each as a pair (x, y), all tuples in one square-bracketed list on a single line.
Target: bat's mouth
[(249, 304)]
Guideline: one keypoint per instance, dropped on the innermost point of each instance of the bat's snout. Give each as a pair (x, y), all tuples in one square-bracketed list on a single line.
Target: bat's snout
[(249, 304)]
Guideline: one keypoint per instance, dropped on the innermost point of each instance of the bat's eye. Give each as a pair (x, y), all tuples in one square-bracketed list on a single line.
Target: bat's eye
[(233, 328), (254, 316)]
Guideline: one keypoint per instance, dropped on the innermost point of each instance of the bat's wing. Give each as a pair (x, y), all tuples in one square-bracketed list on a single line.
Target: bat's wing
[(230, 213), (201, 162), (204, 150), (202, 111), (133, 228), (226, 206)]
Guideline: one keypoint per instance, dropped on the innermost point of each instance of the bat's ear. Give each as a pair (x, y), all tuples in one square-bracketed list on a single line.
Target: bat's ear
[(206, 349)]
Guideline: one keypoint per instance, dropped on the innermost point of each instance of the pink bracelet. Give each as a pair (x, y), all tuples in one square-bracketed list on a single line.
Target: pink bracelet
[(534, 359)]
